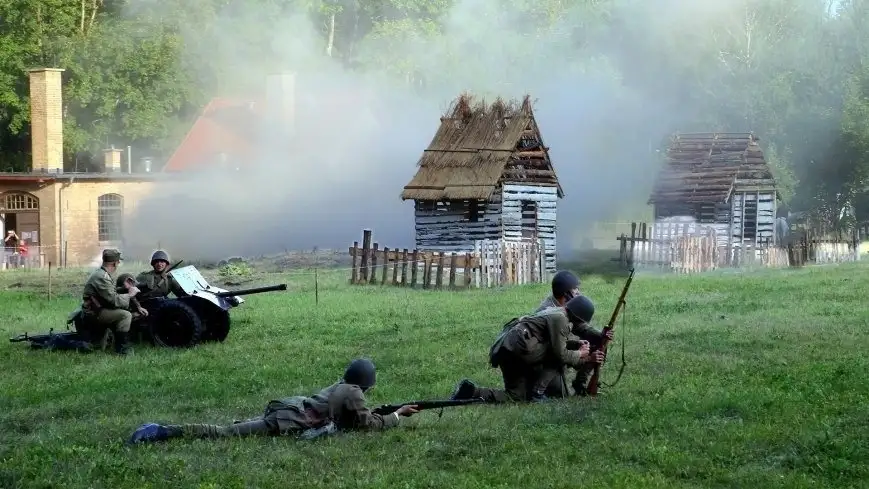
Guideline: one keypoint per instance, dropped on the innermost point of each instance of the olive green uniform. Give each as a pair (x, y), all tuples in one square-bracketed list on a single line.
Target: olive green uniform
[(530, 353), (340, 403), (581, 331), (158, 285), (102, 304)]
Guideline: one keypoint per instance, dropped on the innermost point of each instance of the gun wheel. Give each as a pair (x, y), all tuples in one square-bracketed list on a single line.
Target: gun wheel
[(175, 324)]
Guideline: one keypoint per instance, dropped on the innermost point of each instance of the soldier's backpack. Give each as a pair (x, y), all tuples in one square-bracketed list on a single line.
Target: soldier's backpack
[(496, 346)]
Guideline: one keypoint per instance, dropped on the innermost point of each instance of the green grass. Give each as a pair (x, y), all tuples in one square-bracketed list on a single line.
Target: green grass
[(733, 380)]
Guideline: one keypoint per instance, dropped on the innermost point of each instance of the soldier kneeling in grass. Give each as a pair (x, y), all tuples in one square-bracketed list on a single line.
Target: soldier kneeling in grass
[(565, 286), (340, 406), (531, 351)]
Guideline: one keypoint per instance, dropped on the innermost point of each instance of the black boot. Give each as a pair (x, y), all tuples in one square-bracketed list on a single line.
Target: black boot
[(122, 345), (464, 390)]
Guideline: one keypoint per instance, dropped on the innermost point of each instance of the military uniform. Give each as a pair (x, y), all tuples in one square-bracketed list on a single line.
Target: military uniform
[(579, 331), (340, 403), (341, 406), (530, 353), (158, 285), (104, 306)]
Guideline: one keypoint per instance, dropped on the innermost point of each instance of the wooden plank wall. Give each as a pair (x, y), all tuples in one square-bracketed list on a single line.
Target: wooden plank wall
[(546, 198), (444, 226)]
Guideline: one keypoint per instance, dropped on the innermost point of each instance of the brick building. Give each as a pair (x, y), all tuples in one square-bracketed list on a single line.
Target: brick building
[(65, 218)]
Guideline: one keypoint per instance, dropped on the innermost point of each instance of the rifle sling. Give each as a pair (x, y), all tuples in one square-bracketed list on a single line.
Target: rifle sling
[(624, 307)]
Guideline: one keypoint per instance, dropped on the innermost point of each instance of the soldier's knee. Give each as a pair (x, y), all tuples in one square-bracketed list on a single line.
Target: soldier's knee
[(126, 319)]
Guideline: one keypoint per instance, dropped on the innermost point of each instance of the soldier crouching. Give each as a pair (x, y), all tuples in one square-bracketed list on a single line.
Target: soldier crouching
[(102, 305), (341, 406), (531, 353)]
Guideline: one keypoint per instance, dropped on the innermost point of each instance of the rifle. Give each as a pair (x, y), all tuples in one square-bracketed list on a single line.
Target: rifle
[(423, 405), (595, 377)]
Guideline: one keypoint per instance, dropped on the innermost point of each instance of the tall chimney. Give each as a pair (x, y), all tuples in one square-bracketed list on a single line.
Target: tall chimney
[(46, 119), (281, 102), (112, 160)]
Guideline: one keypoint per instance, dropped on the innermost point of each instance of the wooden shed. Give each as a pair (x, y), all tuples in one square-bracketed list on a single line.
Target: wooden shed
[(721, 180), (485, 175)]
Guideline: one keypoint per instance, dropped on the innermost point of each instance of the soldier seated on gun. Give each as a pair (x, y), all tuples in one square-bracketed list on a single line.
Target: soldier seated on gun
[(155, 281), (565, 286), (531, 353), (102, 305), (341, 406)]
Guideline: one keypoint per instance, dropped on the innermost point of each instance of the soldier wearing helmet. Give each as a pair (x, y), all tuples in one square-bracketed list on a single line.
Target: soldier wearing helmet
[(531, 351), (565, 286), (338, 407), (156, 282)]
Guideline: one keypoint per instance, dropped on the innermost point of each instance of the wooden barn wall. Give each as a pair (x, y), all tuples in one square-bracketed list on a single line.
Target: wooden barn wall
[(546, 199), (753, 216), (444, 226)]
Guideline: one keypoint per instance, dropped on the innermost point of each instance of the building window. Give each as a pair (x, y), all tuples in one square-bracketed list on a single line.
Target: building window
[(474, 211), (110, 209), (20, 202)]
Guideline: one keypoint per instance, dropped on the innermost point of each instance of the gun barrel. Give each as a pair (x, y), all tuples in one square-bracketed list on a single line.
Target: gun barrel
[(255, 290)]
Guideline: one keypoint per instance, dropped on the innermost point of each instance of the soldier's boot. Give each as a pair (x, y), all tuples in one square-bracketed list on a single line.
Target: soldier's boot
[(151, 432), (464, 390), (539, 397), (122, 343), (580, 382)]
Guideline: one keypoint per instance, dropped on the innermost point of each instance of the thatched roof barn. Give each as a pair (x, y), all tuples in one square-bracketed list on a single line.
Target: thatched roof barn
[(485, 175), (717, 178), (471, 149)]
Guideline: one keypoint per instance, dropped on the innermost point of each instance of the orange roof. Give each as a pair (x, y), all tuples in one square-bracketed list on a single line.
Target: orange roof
[(225, 126)]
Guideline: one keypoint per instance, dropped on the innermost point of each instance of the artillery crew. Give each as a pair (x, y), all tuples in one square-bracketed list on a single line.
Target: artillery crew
[(155, 281), (102, 305)]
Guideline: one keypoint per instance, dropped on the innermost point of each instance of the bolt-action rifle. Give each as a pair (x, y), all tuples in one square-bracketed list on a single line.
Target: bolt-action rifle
[(594, 382)]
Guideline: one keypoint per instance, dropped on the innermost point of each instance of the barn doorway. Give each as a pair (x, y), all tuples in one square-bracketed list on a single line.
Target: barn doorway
[(529, 219), (19, 212)]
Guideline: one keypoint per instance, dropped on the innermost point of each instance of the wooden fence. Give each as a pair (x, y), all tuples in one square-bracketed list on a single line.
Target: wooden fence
[(492, 263), (691, 248)]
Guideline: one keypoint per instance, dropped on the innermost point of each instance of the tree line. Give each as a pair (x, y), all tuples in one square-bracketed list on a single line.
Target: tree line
[(792, 71)]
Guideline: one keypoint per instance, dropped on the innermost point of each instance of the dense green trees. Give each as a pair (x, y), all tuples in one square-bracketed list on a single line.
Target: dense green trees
[(793, 71)]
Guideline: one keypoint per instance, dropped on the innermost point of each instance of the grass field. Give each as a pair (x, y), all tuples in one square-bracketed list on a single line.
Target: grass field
[(732, 381)]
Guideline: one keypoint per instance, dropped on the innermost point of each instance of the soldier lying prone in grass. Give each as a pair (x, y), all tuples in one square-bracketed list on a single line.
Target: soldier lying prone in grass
[(341, 406)]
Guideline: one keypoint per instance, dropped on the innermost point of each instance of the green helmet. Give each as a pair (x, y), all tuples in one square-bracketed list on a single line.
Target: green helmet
[(119, 283), (160, 255)]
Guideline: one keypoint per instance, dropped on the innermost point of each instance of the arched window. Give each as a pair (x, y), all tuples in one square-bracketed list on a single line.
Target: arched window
[(19, 201), (110, 215)]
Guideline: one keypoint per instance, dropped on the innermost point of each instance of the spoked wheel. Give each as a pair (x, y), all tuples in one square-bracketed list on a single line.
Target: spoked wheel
[(175, 324)]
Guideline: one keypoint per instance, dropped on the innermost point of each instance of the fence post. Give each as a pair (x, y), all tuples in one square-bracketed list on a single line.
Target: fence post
[(354, 272), (440, 276), (453, 264), (366, 247), (385, 265), (373, 278), (413, 267)]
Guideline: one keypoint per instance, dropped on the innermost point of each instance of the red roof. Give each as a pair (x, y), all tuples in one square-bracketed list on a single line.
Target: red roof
[(234, 126), (225, 126)]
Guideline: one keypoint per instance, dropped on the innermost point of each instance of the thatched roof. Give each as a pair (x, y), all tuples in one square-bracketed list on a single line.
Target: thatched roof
[(468, 154), (705, 168)]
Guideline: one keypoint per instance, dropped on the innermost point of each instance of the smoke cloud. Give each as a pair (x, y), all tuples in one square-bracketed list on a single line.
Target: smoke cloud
[(603, 109)]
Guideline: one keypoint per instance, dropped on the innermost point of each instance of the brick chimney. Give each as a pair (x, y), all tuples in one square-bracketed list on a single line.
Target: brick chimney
[(112, 160), (46, 119), (281, 102)]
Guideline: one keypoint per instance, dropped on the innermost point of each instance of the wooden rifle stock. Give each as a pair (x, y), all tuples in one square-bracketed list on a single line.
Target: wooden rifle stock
[(594, 382)]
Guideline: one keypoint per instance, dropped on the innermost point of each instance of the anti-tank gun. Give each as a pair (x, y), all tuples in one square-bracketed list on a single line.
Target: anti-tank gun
[(199, 314)]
